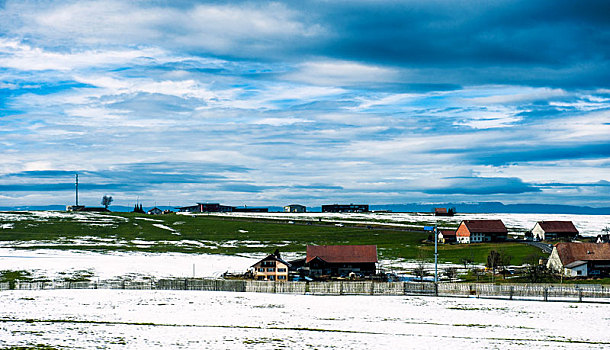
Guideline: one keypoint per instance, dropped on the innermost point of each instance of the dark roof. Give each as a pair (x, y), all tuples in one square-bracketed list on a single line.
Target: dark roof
[(485, 226), (273, 257), (570, 252), (343, 253), (448, 233), (440, 210), (558, 226)]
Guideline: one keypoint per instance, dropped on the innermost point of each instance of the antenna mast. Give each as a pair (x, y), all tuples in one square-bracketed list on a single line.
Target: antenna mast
[(77, 189)]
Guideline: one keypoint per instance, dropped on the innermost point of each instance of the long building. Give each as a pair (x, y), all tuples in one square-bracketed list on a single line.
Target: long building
[(345, 208)]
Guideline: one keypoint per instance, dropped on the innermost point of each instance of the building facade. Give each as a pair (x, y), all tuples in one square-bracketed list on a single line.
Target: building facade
[(478, 231), (574, 259), (550, 230), (295, 208), (271, 268)]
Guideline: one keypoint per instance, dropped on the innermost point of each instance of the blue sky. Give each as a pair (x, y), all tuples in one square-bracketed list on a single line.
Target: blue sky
[(317, 102)]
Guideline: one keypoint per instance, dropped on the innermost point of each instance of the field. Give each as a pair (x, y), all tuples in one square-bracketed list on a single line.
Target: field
[(228, 235), (61, 319)]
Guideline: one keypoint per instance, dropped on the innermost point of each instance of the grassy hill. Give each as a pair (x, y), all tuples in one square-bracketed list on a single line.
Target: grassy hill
[(222, 235)]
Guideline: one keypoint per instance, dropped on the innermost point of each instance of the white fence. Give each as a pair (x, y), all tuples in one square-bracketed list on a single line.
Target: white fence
[(545, 292)]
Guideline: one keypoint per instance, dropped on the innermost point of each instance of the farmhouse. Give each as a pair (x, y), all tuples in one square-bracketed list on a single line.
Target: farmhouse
[(155, 211), (271, 268), (476, 231), (580, 259), (295, 208), (548, 230), (446, 236), (337, 260)]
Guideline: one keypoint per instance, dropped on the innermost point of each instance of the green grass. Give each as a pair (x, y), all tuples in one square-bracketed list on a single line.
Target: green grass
[(215, 232)]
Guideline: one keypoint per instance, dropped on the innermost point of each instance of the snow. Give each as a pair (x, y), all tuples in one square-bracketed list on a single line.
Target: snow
[(174, 232), (222, 320), (49, 262), (588, 225), (7, 226)]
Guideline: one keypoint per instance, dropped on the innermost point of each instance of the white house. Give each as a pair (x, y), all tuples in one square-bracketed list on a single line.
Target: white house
[(580, 259), (547, 230)]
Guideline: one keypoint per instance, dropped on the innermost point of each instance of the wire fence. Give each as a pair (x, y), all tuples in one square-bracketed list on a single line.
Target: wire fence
[(546, 292)]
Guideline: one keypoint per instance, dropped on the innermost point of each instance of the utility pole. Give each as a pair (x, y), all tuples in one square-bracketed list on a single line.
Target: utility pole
[(435, 254), (77, 189)]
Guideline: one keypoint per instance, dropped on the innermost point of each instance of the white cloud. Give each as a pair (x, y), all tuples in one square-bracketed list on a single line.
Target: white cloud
[(339, 73)]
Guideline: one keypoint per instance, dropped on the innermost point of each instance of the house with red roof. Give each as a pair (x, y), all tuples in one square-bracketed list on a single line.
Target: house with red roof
[(549, 230), (580, 259), (338, 260), (477, 231)]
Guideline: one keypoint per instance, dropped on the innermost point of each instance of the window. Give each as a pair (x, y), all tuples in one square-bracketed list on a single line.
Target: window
[(268, 263), (271, 278), (281, 270), (271, 269), (281, 277), (261, 269)]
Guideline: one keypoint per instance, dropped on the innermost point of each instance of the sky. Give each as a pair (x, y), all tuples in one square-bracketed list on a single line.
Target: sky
[(308, 102)]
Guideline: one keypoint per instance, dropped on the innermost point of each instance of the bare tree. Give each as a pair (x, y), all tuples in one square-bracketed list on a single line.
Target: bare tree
[(420, 269), (451, 273), (106, 200)]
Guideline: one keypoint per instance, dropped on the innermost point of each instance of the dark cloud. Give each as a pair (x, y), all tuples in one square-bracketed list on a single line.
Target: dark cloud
[(483, 186)]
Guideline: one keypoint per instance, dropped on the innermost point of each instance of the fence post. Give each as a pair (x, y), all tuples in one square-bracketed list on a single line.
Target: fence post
[(306, 287), (579, 295), (404, 288), (510, 293), (372, 287), (340, 287), (435, 289), (545, 292)]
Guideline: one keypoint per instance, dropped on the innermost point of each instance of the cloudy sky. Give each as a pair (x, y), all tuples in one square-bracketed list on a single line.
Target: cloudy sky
[(317, 102)]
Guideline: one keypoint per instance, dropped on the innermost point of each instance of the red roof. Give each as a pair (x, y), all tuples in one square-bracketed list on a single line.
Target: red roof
[(485, 226), (448, 233), (343, 253), (440, 210), (558, 226), (571, 251)]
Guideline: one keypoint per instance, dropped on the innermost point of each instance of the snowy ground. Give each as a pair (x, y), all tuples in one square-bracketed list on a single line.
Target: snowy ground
[(49, 263), (222, 320), (588, 225)]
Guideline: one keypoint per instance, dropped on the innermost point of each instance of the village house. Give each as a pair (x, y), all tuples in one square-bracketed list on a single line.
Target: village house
[(155, 211), (574, 259), (447, 236), (549, 230), (271, 268), (341, 260), (295, 208), (477, 231)]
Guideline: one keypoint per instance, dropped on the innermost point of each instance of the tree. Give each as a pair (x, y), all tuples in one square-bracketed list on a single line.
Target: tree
[(535, 272), (106, 200), (493, 261), (504, 263), (420, 270), (451, 273)]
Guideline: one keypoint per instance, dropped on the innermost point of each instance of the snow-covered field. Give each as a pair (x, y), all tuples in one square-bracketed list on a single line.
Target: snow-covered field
[(224, 320), (50, 263), (588, 225)]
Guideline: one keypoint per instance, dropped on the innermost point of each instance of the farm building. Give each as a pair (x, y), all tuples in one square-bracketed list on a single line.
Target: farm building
[(155, 211), (206, 208), (444, 212), (548, 230), (337, 260), (476, 231), (345, 208), (295, 208), (446, 236), (271, 268), (580, 259)]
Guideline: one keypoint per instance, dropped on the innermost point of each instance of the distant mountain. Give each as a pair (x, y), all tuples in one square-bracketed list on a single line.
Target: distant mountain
[(480, 207), (495, 207)]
